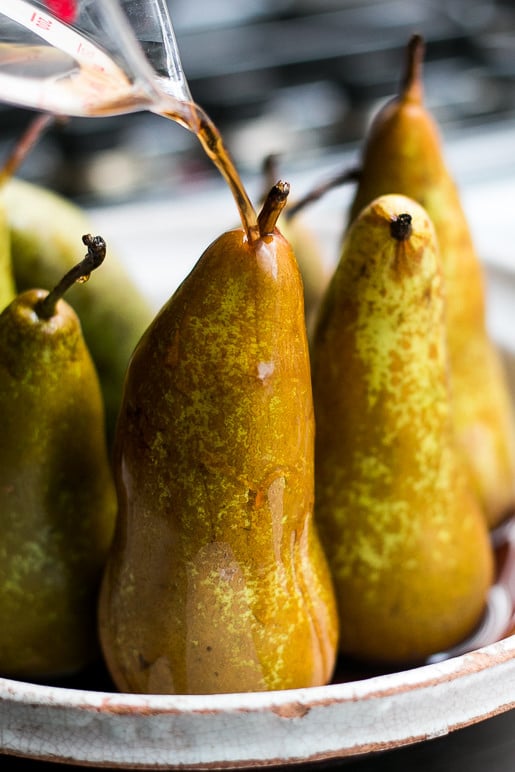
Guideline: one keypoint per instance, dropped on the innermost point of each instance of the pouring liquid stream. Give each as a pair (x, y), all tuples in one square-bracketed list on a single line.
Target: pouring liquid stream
[(196, 120), (68, 74)]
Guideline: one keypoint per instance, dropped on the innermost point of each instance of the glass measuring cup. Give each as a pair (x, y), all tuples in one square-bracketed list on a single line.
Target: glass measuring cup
[(91, 57), (105, 57)]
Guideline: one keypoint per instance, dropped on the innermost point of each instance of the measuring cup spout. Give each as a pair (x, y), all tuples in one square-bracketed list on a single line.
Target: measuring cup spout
[(146, 28), (90, 57)]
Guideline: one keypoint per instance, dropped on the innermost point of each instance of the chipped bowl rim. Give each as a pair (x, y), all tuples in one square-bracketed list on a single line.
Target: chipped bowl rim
[(244, 730)]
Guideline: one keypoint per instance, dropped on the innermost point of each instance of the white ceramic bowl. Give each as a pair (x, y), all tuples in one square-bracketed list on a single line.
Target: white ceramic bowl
[(247, 730)]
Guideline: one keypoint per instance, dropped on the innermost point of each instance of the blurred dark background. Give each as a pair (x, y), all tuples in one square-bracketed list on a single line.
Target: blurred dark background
[(295, 77)]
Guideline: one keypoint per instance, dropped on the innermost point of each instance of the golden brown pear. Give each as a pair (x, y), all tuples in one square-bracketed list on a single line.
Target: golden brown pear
[(315, 274), (216, 581), (403, 154), (57, 498), (406, 540)]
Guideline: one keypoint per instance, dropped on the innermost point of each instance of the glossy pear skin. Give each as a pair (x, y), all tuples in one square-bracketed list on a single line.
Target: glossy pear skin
[(46, 231), (315, 273), (403, 154), (216, 581), (57, 497), (406, 539), (7, 290)]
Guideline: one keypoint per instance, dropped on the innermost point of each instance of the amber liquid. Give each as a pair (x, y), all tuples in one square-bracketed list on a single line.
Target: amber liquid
[(103, 88), (195, 119)]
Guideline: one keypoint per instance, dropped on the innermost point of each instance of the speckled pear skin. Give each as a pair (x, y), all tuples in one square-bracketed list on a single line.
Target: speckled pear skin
[(406, 540), (403, 154), (7, 290), (57, 496), (46, 231), (216, 581)]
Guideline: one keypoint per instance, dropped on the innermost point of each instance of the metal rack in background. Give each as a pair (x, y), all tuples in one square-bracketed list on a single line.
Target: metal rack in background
[(294, 77)]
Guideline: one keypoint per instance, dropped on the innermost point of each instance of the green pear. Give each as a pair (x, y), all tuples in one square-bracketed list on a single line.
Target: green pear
[(406, 539), (216, 581), (306, 244), (45, 239), (7, 288), (403, 154), (313, 269), (57, 497)]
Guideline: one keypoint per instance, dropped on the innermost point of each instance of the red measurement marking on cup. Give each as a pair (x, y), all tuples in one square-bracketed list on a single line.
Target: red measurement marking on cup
[(66, 10)]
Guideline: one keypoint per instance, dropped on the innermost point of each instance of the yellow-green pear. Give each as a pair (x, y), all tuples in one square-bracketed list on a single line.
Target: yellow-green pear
[(305, 242), (406, 539), (57, 496), (46, 231), (403, 154), (7, 289), (216, 581)]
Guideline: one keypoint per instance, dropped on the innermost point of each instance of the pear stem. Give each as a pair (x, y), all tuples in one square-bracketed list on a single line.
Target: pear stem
[(270, 167), (351, 174), (272, 207), (400, 227), (24, 145), (46, 308), (212, 142), (412, 87)]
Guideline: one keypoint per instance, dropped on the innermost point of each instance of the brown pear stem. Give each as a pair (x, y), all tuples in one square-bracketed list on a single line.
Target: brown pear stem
[(24, 145), (270, 171), (272, 207), (412, 86), (401, 228), (351, 174), (46, 308)]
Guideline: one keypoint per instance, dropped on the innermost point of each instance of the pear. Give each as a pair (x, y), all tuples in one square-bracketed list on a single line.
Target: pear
[(7, 288), (403, 154), (306, 246), (57, 496), (406, 539), (45, 239), (311, 261), (216, 580)]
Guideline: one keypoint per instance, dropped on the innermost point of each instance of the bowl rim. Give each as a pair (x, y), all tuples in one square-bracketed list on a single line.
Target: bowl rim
[(340, 720), (374, 686)]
